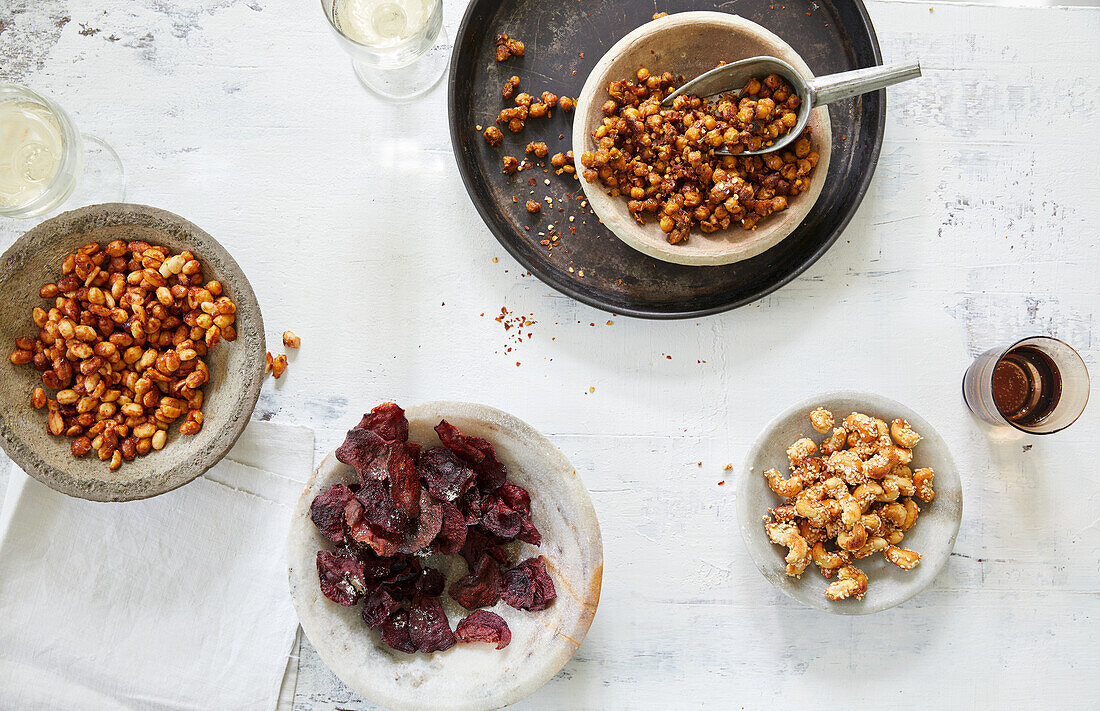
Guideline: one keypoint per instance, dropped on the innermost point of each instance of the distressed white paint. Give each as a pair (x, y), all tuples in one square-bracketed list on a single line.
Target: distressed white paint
[(349, 217)]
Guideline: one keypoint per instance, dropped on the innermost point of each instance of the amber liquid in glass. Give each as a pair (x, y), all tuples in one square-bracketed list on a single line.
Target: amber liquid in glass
[(1026, 386)]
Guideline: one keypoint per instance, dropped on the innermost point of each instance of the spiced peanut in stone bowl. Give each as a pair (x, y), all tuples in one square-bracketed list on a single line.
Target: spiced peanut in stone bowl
[(447, 556), (136, 352)]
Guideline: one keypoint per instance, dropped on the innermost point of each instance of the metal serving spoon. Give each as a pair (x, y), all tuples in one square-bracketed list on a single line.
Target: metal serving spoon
[(815, 92)]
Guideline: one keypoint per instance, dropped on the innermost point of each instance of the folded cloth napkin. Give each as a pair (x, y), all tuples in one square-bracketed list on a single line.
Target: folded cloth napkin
[(176, 602)]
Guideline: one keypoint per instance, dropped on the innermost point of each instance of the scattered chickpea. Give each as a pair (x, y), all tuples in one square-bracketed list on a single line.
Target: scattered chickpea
[(510, 164), (270, 362), (291, 339), (566, 103), (509, 87), (538, 148), (493, 136), (533, 207), (507, 47)]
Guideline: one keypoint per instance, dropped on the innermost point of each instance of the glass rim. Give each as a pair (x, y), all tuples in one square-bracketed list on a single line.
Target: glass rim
[(370, 47), (71, 157), (1088, 382)]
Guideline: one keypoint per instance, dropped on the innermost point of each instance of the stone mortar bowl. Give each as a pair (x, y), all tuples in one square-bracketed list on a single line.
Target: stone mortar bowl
[(236, 369), (466, 677), (933, 535), (688, 44)]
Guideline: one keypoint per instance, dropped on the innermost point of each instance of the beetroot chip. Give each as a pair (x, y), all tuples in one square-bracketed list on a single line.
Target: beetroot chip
[(382, 542), (427, 526), (428, 626), (477, 451), (327, 511), (528, 586), (379, 509), (431, 583), (444, 474), (378, 608), (515, 496), (484, 626), (360, 449), (478, 544), (395, 632), (480, 588), (529, 534), (452, 531), (470, 506), (404, 482), (341, 578), (387, 421), (500, 519)]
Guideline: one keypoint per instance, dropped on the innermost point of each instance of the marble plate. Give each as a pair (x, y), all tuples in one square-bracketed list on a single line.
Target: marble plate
[(472, 676), (933, 536)]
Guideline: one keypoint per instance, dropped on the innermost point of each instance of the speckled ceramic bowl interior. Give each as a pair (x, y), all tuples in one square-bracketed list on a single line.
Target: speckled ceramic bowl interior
[(933, 536), (688, 44), (236, 369)]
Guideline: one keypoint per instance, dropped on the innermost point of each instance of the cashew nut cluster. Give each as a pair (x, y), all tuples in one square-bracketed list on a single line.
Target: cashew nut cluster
[(848, 498)]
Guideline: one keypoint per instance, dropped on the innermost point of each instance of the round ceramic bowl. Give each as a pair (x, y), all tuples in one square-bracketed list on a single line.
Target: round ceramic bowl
[(466, 676), (933, 536), (236, 369), (688, 44)]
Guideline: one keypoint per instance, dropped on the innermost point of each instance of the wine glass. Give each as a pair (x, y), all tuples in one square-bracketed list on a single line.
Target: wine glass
[(398, 47), (45, 162)]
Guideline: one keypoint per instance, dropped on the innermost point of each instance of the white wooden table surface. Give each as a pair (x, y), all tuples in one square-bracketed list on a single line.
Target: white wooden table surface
[(349, 217)]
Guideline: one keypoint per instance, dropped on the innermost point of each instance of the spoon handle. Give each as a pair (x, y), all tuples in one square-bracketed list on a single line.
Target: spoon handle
[(834, 87)]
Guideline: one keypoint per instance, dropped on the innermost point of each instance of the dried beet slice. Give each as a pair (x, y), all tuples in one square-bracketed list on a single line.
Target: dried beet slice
[(382, 542), (427, 526), (452, 531), (387, 421), (431, 582), (341, 578), (479, 452), (361, 448), (480, 588), (515, 496), (484, 626), (428, 626), (529, 534), (378, 608), (528, 586), (470, 506), (379, 509), (327, 511), (404, 482), (500, 519), (445, 475), (478, 544), (395, 632)]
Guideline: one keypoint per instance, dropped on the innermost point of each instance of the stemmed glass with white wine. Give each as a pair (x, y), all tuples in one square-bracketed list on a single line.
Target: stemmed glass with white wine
[(44, 161), (397, 47)]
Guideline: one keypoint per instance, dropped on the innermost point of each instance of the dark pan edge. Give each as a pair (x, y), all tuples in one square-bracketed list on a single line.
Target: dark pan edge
[(545, 277)]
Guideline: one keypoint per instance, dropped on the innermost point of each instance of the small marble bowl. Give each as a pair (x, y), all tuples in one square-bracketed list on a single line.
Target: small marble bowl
[(688, 44), (933, 536), (236, 369)]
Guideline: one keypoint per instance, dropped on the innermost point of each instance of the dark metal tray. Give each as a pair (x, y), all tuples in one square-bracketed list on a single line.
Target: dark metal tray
[(564, 39)]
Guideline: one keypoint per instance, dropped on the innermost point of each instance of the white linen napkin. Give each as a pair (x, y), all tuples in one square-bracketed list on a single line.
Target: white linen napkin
[(176, 602)]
